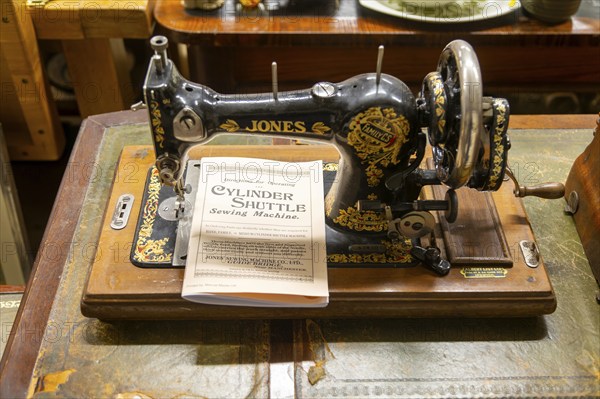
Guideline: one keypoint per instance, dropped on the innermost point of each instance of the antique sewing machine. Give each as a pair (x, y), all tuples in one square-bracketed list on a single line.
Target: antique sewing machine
[(388, 209)]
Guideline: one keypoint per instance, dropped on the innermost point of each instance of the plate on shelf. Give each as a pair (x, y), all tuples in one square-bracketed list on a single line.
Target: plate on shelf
[(443, 12)]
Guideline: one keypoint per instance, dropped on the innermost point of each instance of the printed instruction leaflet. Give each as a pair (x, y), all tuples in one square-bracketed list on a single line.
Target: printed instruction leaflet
[(258, 235)]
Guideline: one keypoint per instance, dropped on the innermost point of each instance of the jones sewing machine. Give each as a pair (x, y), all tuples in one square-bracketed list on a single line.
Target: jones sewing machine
[(391, 203)]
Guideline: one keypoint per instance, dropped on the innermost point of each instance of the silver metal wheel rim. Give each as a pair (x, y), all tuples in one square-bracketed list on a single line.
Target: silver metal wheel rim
[(471, 124)]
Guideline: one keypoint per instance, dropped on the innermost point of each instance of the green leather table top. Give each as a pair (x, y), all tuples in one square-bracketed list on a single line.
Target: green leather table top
[(554, 355)]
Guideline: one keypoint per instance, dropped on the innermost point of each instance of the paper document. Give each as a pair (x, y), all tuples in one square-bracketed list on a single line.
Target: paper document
[(258, 235)]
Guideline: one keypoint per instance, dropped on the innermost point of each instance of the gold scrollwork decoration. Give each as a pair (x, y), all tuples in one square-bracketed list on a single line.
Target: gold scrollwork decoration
[(356, 220), (320, 128), (377, 135), (230, 126), (498, 155), (374, 175), (156, 120), (439, 100), (396, 252), (147, 250)]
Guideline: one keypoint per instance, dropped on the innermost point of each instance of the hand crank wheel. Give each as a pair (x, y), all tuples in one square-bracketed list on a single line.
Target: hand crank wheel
[(453, 97)]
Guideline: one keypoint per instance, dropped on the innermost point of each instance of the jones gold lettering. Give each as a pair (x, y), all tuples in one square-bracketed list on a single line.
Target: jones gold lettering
[(263, 126), (287, 126), (252, 128), (300, 127), (266, 126), (276, 126)]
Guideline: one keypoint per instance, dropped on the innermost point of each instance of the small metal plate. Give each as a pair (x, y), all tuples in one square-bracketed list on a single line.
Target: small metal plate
[(122, 211), (168, 208), (530, 252)]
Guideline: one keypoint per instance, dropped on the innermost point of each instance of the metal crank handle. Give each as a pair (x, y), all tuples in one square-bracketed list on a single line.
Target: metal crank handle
[(545, 190)]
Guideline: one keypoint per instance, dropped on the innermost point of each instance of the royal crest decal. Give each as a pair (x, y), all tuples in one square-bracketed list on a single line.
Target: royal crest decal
[(377, 135)]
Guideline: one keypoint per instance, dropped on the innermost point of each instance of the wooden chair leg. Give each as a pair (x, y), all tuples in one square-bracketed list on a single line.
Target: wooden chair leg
[(27, 103), (98, 69)]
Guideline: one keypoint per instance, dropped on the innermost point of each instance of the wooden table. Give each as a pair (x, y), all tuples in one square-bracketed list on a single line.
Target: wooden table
[(54, 350), (92, 33), (230, 51)]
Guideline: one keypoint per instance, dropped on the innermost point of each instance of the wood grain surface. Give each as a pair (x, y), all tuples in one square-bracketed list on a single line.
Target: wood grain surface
[(103, 58), (92, 33), (116, 289), (351, 25), (553, 121), (80, 19), (29, 115), (12, 288), (583, 180), (329, 42), (477, 222)]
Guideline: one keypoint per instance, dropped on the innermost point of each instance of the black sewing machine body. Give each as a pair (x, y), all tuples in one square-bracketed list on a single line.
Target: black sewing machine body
[(387, 208), (373, 209), (369, 124)]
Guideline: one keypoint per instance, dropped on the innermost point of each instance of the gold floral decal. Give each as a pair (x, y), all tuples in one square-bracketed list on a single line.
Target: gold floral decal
[(353, 219), (377, 136), (374, 175), (155, 116), (320, 128), (439, 100), (396, 252), (147, 250), (372, 197), (230, 126), (497, 160)]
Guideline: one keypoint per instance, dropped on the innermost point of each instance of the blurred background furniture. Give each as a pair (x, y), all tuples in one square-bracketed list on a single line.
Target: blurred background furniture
[(540, 68), (63, 60), (15, 254), (28, 112), (92, 33), (91, 36)]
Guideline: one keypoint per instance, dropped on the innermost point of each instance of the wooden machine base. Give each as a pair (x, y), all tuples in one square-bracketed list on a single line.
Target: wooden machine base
[(116, 289)]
